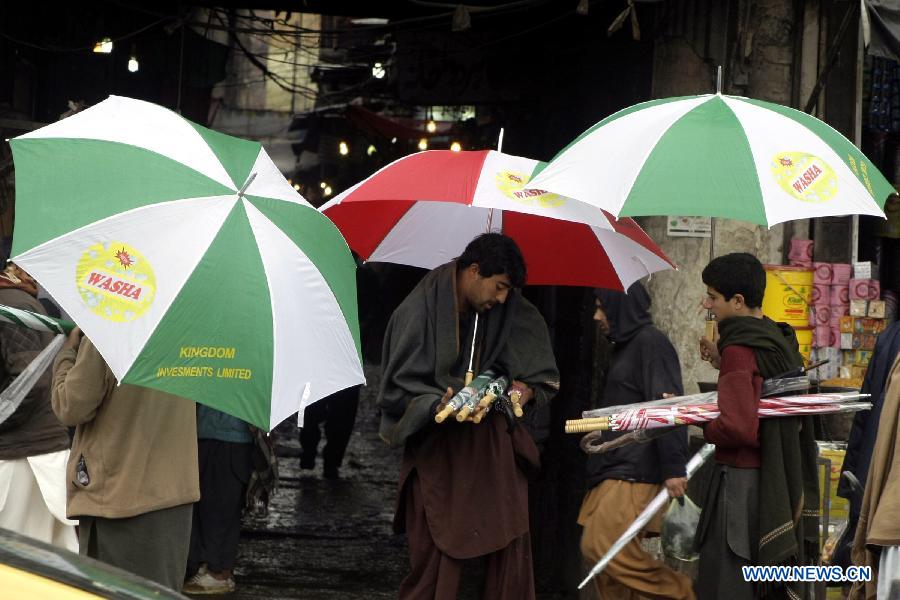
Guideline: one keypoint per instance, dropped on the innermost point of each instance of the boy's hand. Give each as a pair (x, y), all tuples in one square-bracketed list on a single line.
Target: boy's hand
[(709, 352)]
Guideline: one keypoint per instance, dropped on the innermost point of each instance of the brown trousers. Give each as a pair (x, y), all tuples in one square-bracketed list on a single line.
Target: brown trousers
[(434, 575), (607, 511)]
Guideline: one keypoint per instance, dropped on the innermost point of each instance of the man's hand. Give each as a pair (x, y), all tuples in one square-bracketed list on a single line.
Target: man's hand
[(526, 393), (709, 352), (73, 339), (676, 486), (443, 401)]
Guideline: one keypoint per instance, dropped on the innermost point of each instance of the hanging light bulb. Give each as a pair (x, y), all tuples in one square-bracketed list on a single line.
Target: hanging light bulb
[(133, 65), (104, 46), (371, 150), (461, 19), (297, 186), (431, 126), (343, 148), (455, 147), (423, 144), (327, 191), (378, 71), (323, 185)]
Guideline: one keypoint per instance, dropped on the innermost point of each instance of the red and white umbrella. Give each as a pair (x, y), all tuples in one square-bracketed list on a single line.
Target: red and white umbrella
[(631, 419), (423, 209)]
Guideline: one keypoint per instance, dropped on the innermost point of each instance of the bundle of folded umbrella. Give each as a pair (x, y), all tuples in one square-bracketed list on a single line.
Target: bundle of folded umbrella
[(475, 401), (678, 412)]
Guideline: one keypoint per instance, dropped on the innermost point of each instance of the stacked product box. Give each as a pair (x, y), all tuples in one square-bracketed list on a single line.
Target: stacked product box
[(830, 302), (859, 328), (801, 254)]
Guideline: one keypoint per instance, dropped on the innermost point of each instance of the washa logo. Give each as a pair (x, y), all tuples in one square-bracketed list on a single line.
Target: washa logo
[(512, 184), (115, 281), (805, 176)]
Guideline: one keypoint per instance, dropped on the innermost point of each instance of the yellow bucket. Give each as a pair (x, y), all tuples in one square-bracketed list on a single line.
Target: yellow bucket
[(788, 294), (805, 339)]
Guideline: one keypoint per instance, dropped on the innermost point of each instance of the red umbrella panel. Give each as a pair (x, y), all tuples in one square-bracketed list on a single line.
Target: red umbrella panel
[(423, 209)]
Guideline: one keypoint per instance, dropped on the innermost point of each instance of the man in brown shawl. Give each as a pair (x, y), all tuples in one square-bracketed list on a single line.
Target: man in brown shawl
[(878, 532), (463, 491)]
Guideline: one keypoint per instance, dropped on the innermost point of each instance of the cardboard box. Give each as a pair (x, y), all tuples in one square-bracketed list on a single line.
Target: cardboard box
[(863, 341), (822, 274), (844, 372), (823, 314), (840, 295), (838, 507), (821, 293), (874, 289), (830, 369), (862, 358), (801, 250), (824, 336), (840, 273), (876, 309), (847, 324), (867, 325), (859, 308), (865, 270), (859, 289), (846, 341)]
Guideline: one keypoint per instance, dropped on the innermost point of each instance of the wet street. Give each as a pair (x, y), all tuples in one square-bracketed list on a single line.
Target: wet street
[(327, 539)]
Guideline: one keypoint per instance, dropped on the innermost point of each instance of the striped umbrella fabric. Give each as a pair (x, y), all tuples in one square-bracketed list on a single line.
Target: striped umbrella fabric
[(26, 318), (717, 156), (423, 209), (188, 259), (695, 414)]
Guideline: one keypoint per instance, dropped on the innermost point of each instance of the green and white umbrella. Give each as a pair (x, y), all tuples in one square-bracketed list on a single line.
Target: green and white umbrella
[(716, 156), (188, 260)]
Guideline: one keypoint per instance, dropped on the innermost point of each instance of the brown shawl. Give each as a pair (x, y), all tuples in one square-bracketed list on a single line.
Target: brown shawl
[(473, 485), (879, 517)]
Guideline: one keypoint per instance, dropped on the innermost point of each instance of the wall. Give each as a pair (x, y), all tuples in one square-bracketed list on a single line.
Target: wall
[(761, 51)]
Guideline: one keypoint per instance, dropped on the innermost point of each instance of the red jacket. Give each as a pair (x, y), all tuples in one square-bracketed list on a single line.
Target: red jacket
[(735, 432)]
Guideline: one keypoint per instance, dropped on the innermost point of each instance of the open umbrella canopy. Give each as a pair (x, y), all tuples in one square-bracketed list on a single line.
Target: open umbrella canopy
[(716, 156), (188, 260), (423, 209)]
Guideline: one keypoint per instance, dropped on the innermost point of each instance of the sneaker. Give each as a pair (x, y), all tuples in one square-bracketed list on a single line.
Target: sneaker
[(204, 583), (200, 571)]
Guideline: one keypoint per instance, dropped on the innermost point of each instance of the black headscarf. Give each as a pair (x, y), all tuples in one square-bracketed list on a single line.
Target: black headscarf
[(627, 312)]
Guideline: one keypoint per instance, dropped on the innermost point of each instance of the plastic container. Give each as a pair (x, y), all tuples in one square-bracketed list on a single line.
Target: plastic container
[(788, 295), (805, 339)]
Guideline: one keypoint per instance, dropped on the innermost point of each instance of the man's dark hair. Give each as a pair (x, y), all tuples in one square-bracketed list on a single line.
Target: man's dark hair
[(737, 273), (495, 254)]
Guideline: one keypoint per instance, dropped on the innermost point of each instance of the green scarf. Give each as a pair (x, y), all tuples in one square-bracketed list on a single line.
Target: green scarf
[(789, 501)]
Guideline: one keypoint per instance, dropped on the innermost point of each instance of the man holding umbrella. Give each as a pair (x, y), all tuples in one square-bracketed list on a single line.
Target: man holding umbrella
[(463, 491), (132, 475)]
